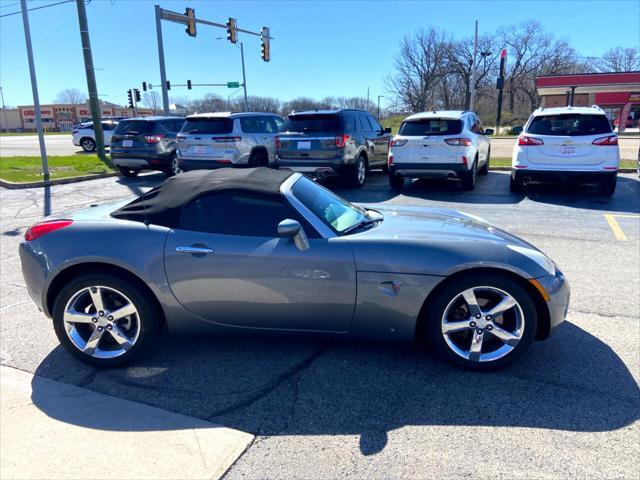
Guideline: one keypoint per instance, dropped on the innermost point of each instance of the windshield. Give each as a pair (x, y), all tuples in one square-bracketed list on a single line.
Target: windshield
[(311, 123), (570, 124), (430, 126), (334, 211), (221, 125)]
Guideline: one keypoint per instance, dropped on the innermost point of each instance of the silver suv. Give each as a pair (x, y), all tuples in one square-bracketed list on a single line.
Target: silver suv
[(224, 139)]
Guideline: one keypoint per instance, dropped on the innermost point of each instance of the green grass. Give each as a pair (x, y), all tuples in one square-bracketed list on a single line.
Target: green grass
[(393, 122), (29, 169), (22, 134), (506, 162)]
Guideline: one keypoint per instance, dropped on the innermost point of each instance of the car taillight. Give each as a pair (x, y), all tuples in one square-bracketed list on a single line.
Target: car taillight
[(226, 139), (390, 159), (341, 140), (529, 141), (40, 229), (153, 138), (180, 138), (458, 142), (606, 141), (277, 141), (397, 142)]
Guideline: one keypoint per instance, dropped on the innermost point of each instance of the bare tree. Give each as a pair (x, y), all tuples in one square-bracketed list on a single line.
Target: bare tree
[(152, 100), (71, 96), (418, 67), (619, 60)]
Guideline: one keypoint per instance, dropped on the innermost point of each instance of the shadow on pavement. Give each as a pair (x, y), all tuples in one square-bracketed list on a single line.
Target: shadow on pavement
[(311, 386)]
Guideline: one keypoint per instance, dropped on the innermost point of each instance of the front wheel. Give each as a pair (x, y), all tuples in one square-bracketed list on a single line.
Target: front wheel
[(104, 320), (481, 321), (128, 172), (88, 144), (358, 173)]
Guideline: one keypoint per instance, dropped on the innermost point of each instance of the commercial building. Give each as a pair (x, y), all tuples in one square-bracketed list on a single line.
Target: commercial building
[(610, 91)]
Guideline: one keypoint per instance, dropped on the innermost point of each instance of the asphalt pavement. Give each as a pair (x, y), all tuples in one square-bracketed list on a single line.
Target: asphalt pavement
[(334, 409), (62, 145)]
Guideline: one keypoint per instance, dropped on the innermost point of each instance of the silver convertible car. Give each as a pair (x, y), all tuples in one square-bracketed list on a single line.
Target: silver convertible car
[(260, 250)]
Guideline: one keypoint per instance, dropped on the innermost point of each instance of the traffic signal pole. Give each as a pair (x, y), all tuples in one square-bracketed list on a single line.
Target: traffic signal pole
[(244, 78), (163, 72)]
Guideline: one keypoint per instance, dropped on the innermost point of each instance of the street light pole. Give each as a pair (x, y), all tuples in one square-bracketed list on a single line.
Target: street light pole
[(244, 78), (163, 71)]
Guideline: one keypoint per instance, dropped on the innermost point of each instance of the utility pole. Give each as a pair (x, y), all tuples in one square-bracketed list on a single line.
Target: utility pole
[(500, 87), (244, 78), (379, 97), (94, 103), (367, 98), (472, 86), (34, 89), (4, 108), (163, 71)]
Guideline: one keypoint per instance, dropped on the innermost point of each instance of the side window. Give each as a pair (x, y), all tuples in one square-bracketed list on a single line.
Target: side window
[(232, 213), (375, 126), (349, 124), (279, 123), (249, 125), (364, 124)]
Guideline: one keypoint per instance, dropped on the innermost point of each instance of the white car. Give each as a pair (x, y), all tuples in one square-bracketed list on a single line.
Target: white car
[(566, 144), (444, 144), (84, 136), (224, 139)]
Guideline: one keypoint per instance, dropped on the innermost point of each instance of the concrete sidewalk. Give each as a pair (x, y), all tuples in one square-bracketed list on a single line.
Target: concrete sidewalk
[(54, 430)]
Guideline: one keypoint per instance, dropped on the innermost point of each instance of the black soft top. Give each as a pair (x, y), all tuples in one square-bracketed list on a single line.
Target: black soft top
[(162, 205)]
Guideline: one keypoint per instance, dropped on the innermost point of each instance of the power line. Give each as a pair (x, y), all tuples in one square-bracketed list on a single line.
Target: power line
[(10, 5), (36, 8)]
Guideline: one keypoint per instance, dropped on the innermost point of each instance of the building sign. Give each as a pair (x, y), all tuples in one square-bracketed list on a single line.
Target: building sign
[(634, 97), (32, 113)]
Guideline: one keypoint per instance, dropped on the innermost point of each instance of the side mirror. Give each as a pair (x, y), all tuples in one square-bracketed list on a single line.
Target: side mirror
[(489, 131), (288, 228), (386, 130)]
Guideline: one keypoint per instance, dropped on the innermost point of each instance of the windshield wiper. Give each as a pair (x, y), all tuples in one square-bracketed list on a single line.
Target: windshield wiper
[(361, 224)]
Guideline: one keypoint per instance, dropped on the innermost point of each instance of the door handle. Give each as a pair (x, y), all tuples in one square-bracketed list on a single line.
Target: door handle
[(194, 250)]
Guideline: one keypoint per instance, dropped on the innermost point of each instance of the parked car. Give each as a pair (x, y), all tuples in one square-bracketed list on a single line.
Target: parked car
[(440, 144), (214, 140), (566, 144), (84, 136), (261, 250), (146, 143), (328, 142)]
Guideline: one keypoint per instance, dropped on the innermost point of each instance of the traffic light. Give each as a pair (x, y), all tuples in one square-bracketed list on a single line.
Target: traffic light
[(168, 85), (266, 49), (144, 86), (232, 30), (191, 22), (137, 94), (189, 84), (130, 97)]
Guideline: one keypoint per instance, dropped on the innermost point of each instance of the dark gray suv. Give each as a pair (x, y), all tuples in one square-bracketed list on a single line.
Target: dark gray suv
[(332, 142)]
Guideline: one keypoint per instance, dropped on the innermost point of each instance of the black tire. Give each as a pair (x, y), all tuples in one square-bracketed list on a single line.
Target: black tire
[(432, 327), (608, 187), (173, 168), (148, 316), (396, 182), (358, 173), (259, 159), (88, 144), (128, 172), (485, 168), (468, 180), (516, 186)]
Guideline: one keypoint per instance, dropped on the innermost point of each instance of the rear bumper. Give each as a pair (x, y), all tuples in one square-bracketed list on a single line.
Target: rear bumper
[(34, 272), (428, 170), (549, 176), (150, 160), (187, 164), (315, 167)]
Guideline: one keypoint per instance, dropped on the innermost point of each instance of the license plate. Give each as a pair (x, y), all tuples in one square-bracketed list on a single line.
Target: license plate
[(199, 149), (566, 150), (127, 143), (304, 145)]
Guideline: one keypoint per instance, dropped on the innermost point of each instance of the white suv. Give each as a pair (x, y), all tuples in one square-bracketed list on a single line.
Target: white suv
[(445, 144), (84, 136), (566, 144), (214, 140)]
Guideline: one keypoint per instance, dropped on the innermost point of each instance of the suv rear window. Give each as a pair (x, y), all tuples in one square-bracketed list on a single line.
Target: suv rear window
[(312, 123), (569, 124), (208, 125), (133, 127), (430, 126)]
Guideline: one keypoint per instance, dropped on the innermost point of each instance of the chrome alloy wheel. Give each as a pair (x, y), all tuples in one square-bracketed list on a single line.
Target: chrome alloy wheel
[(482, 324), (175, 166), (362, 172), (101, 322)]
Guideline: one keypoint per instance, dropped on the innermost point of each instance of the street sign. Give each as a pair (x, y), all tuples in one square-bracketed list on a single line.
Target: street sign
[(233, 84)]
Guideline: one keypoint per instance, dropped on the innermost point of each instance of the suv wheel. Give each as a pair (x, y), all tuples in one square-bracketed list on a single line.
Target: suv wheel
[(469, 178), (88, 144), (396, 182), (485, 168), (358, 173), (174, 167), (128, 172), (516, 186), (608, 186), (258, 159)]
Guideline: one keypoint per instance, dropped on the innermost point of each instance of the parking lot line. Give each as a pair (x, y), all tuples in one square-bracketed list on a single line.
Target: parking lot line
[(615, 226)]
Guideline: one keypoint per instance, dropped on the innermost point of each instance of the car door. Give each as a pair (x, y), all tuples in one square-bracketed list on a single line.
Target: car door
[(227, 265), (380, 141), (364, 128), (479, 139)]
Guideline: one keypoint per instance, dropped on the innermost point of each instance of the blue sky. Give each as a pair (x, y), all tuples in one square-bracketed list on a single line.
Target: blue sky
[(321, 48)]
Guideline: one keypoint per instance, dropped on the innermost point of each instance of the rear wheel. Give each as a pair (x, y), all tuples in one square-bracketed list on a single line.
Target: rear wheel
[(174, 167), (516, 186), (485, 168), (396, 182), (88, 144), (608, 187), (104, 320), (481, 321), (358, 173), (129, 172), (469, 178), (259, 159)]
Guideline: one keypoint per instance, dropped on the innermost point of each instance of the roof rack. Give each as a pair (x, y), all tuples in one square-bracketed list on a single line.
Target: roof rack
[(597, 107)]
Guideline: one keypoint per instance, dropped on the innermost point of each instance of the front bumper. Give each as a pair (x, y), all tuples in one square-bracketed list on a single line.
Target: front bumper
[(428, 170), (549, 176), (557, 287)]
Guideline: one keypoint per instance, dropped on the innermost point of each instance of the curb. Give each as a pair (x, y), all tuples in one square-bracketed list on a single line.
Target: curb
[(59, 181)]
